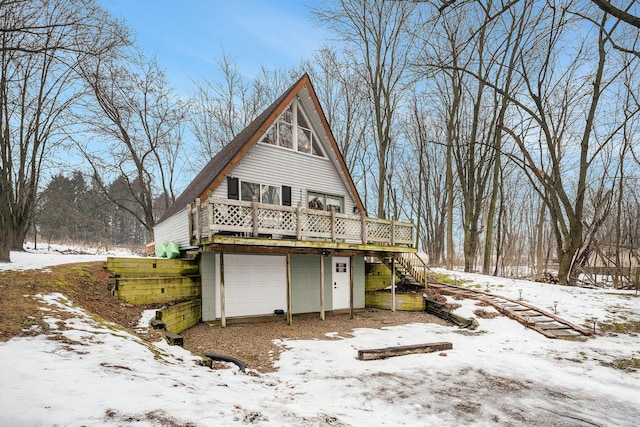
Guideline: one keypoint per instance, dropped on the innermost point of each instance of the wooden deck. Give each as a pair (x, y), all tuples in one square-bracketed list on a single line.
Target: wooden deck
[(235, 222)]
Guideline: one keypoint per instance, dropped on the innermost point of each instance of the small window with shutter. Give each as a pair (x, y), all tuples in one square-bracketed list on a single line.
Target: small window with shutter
[(233, 188)]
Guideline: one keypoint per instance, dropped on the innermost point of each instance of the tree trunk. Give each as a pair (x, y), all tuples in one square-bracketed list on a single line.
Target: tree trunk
[(539, 241), (6, 242)]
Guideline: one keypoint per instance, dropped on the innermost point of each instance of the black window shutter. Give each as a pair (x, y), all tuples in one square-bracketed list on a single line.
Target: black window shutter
[(233, 188), (286, 196)]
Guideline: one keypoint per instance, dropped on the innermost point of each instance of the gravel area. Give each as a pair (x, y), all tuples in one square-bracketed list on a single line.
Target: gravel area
[(253, 342)]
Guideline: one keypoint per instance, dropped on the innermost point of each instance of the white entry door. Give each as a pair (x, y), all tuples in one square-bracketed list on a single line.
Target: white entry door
[(340, 278)]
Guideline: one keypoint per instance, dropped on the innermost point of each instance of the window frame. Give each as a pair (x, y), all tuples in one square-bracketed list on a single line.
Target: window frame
[(273, 135), (323, 199), (261, 191)]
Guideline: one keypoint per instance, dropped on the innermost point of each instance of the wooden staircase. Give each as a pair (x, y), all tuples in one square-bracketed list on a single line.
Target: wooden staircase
[(409, 267)]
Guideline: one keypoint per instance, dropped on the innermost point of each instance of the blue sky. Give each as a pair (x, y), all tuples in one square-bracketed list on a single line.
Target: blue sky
[(188, 36)]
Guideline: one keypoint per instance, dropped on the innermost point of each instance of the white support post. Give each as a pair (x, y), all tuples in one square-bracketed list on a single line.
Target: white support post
[(289, 308), (322, 314), (351, 287), (223, 315)]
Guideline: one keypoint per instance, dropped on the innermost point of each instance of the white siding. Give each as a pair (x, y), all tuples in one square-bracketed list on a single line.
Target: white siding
[(174, 229), (267, 164)]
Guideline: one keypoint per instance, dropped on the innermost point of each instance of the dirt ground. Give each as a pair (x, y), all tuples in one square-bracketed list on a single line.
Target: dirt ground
[(87, 285), (253, 342)]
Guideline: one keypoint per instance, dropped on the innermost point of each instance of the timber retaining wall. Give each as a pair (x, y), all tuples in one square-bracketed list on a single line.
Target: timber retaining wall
[(143, 281), (182, 316), (175, 282)]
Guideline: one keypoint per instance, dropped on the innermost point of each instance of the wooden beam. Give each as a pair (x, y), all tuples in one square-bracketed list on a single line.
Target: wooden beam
[(223, 315), (251, 243), (289, 314), (383, 353), (351, 287), (440, 310), (393, 284), (322, 314)]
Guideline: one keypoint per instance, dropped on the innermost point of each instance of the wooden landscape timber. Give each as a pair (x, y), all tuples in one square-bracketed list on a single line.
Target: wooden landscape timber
[(532, 317), (404, 301), (174, 339), (440, 310), (156, 290), (143, 281), (384, 353), (143, 267), (180, 317)]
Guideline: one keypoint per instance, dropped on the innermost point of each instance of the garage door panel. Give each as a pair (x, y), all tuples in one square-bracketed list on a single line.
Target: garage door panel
[(254, 284)]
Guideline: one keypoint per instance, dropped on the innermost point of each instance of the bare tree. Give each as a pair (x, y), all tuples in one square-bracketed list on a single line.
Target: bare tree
[(136, 118), (377, 34), (560, 165), (621, 14), (42, 44), (220, 110), (424, 181), (343, 96)]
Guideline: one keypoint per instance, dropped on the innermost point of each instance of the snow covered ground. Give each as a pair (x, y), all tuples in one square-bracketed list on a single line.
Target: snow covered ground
[(96, 374), (50, 255)]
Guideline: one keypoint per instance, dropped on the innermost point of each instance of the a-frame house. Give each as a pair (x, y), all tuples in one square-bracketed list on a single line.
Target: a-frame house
[(277, 219)]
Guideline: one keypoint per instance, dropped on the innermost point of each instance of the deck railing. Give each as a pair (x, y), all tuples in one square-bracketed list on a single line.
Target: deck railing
[(253, 219)]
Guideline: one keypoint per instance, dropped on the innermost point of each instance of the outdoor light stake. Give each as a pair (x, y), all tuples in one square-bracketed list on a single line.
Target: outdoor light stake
[(594, 320), (520, 290), (555, 307)]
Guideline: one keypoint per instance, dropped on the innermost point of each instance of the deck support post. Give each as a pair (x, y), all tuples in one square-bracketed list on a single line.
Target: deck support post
[(322, 314), (393, 283), (363, 219), (299, 221), (333, 224), (196, 222), (254, 209), (351, 287), (223, 315), (289, 314), (393, 231)]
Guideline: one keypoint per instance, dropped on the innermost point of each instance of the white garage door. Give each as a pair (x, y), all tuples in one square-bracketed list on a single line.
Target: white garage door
[(254, 284)]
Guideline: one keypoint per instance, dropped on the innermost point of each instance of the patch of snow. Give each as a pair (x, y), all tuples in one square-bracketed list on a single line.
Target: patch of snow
[(48, 256), (91, 373), (146, 318)]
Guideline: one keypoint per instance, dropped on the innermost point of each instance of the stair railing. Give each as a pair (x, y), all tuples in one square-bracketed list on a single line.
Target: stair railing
[(415, 265)]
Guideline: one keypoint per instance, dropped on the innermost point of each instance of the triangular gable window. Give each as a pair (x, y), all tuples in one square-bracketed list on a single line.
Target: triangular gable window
[(281, 134)]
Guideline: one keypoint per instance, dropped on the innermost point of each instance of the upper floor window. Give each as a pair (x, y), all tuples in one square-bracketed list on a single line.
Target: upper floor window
[(282, 133)]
